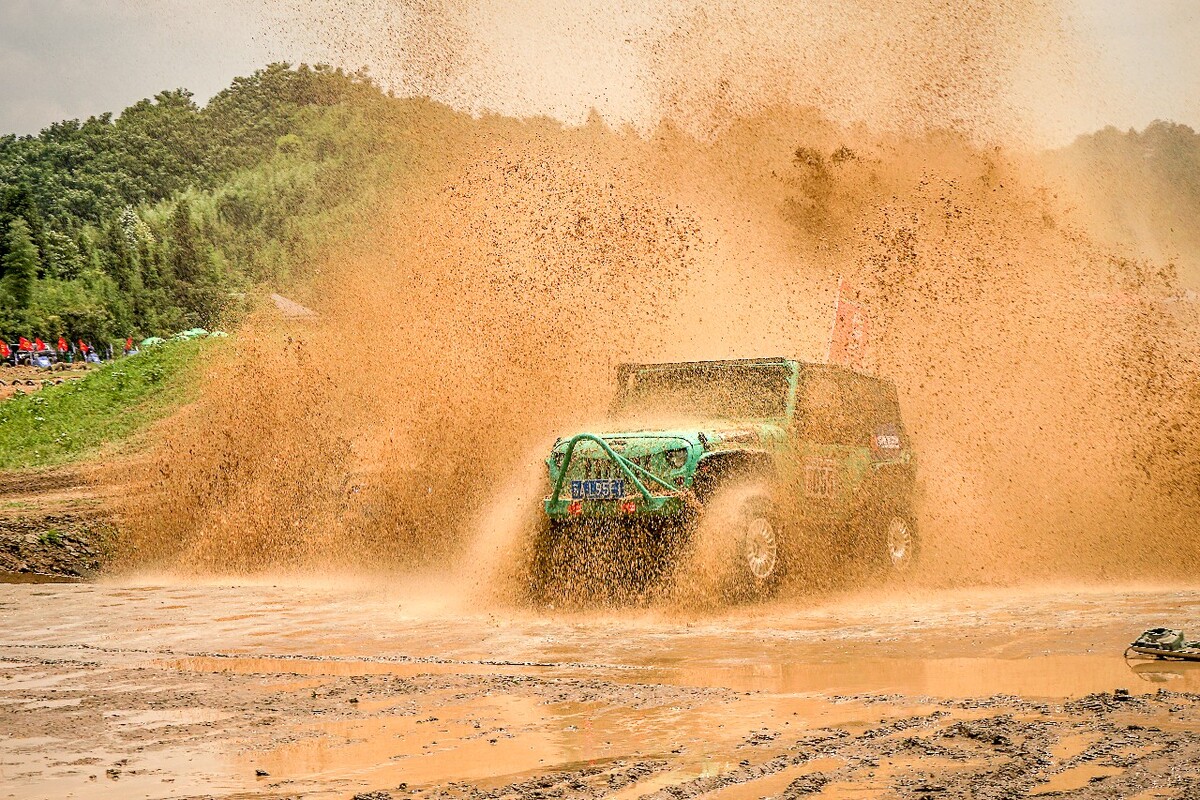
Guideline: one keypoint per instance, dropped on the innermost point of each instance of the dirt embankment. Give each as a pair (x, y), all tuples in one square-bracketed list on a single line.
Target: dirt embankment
[(23, 380), (52, 522)]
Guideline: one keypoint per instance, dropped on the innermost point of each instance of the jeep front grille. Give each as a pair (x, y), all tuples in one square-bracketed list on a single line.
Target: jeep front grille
[(602, 466)]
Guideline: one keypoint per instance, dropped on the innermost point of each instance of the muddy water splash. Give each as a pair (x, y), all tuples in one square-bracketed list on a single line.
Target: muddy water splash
[(1046, 383)]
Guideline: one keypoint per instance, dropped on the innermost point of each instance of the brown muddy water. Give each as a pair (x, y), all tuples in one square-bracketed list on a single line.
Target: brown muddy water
[(338, 688), (1048, 382)]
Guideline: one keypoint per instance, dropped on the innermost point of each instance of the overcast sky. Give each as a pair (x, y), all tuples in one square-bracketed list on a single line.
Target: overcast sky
[(62, 59)]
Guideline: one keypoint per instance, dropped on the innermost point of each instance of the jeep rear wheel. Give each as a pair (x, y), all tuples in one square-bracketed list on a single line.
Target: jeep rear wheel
[(900, 544), (896, 544)]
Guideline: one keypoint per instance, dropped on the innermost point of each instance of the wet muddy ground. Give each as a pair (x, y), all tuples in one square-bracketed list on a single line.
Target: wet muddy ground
[(25, 379), (348, 689), (54, 523)]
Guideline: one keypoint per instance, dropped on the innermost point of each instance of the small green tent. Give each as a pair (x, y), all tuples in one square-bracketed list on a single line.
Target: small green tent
[(191, 333)]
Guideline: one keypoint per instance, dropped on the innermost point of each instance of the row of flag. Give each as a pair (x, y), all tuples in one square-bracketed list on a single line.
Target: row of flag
[(39, 346)]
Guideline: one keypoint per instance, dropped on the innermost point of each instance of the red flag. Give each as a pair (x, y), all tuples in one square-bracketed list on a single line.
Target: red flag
[(128, 343), (23, 344), (62, 345), (82, 347), (38, 344), (851, 331), (4, 351)]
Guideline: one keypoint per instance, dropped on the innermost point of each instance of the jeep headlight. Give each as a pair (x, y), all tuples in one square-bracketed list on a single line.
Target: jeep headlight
[(677, 458)]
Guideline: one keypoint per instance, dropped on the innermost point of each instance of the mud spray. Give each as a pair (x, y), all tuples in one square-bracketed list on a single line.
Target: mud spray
[(1049, 383)]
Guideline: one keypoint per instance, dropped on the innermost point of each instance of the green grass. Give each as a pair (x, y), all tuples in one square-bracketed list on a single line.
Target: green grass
[(75, 419)]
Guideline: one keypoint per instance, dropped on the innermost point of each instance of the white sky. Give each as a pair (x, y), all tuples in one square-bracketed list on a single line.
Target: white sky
[(63, 59), (1144, 65)]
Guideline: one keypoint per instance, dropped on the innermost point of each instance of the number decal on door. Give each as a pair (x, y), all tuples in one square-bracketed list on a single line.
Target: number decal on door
[(820, 478)]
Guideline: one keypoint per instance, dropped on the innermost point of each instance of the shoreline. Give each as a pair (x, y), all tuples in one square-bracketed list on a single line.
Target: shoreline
[(52, 526)]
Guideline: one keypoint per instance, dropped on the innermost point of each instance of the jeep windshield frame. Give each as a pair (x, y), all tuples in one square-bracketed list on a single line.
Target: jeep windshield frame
[(749, 389)]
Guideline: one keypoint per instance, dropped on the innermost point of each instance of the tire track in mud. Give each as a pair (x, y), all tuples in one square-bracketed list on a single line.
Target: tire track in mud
[(577, 736), (326, 659), (999, 756), (547, 707)]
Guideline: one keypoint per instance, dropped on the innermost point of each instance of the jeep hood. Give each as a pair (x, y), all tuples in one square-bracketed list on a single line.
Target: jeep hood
[(709, 434)]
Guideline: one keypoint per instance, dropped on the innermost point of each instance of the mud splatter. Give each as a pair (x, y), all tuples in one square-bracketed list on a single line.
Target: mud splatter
[(1047, 382)]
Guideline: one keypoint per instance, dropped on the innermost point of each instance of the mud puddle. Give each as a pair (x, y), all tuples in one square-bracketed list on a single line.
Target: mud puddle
[(328, 690), (34, 577), (1048, 676)]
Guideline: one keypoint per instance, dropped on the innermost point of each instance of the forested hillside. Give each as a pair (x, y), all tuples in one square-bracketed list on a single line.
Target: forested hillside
[(170, 215), (163, 217)]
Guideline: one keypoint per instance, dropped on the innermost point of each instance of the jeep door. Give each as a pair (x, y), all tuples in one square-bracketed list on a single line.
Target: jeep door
[(891, 476), (832, 443)]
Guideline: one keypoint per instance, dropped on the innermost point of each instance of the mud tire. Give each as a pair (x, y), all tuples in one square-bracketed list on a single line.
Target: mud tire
[(542, 560), (894, 543), (585, 564), (736, 552), (759, 558)]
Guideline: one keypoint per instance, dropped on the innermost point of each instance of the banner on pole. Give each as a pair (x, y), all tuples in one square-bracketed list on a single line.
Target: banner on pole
[(851, 331)]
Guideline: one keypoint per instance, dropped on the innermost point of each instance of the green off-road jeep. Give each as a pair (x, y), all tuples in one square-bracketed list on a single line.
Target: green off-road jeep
[(734, 473)]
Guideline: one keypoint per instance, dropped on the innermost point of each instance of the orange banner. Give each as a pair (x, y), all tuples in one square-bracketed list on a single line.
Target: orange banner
[(851, 331)]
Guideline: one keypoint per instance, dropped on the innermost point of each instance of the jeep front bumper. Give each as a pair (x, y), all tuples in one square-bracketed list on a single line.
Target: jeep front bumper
[(666, 500)]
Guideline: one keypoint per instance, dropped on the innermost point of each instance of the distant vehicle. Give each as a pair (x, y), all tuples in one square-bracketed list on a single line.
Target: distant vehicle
[(799, 457), (18, 357)]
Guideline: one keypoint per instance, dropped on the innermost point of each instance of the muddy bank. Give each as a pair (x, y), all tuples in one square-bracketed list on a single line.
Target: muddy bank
[(24, 379), (52, 523), (335, 689), (276, 733)]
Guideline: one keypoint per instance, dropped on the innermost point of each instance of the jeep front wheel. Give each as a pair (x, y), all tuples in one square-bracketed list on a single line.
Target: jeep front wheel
[(734, 551), (757, 530)]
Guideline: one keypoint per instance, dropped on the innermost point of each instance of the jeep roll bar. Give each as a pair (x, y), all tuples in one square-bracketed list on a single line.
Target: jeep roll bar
[(626, 466)]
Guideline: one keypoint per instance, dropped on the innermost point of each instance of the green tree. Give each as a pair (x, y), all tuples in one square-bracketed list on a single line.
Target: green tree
[(18, 201), (119, 257), (169, 214), (62, 259), (186, 256), (20, 262)]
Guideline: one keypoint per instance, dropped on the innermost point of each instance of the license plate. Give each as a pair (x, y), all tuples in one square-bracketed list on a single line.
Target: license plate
[(606, 489)]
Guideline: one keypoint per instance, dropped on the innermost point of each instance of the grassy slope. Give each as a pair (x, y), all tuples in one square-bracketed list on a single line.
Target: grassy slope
[(68, 421)]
